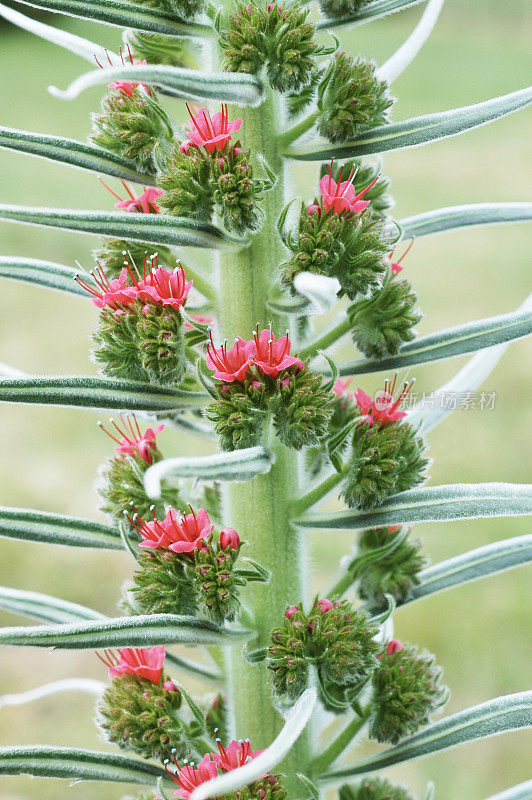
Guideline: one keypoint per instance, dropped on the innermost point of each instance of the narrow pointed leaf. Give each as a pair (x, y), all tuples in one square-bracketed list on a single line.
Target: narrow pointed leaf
[(432, 504), (471, 566), (124, 14), (508, 713), (97, 393), (73, 153), (86, 685), (240, 465), (43, 607), (153, 228), (76, 765), (417, 130), (295, 723), (144, 630), (369, 12), (41, 273), (197, 669), (190, 84), (41, 526), (521, 792), (449, 343), (400, 60), (456, 217)]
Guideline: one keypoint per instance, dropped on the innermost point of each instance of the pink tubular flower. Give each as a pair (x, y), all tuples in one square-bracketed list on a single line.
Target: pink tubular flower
[(291, 612), (132, 440), (189, 777), (272, 357), (235, 755), (140, 662), (179, 535), (228, 365), (229, 538), (211, 132), (145, 202), (164, 287), (325, 605), (393, 646), (128, 86), (385, 408), (342, 196), (113, 293)]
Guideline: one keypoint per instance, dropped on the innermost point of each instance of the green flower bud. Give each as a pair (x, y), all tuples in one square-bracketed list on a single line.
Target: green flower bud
[(373, 789), (237, 420), (354, 99), (395, 573), (406, 690), (217, 718), (116, 348), (302, 409), (236, 192), (216, 584), (164, 583), (186, 180), (161, 345), (111, 253)]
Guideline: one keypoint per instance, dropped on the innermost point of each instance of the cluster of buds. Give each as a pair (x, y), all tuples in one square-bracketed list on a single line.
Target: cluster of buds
[(387, 454), (407, 688), (234, 755), (258, 377), (139, 336), (208, 172), (133, 124), (351, 98), (277, 36), (339, 236), (373, 789), (140, 709), (336, 639), (384, 322), (183, 564), (395, 572)]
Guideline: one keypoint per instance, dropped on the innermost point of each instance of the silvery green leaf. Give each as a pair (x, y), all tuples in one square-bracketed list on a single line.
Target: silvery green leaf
[(153, 228), (68, 41), (432, 504), (521, 792), (191, 84), (86, 391), (240, 465), (43, 607), (41, 526), (508, 713), (400, 60), (144, 630), (416, 131), (296, 721), (85, 685), (125, 14), (375, 9), (449, 343), (41, 273), (478, 563), (76, 765), (456, 217), (69, 151)]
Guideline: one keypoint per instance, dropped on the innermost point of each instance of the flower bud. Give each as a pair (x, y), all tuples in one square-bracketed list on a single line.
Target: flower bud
[(229, 538), (373, 789), (395, 573), (302, 409), (164, 584), (237, 420), (215, 582), (236, 192), (186, 180), (217, 719), (406, 690)]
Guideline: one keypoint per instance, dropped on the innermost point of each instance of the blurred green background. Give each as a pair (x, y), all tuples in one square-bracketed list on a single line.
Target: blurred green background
[(481, 633)]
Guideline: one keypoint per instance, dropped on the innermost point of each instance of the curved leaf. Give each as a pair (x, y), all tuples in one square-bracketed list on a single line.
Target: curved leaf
[(69, 151), (404, 56), (153, 228), (76, 765), (41, 273), (521, 792), (369, 12), (508, 713), (87, 685), (296, 721), (449, 343), (144, 630), (471, 566), (82, 391), (41, 526), (191, 84), (456, 217), (432, 504), (6, 371), (240, 465), (43, 607), (124, 14), (417, 130)]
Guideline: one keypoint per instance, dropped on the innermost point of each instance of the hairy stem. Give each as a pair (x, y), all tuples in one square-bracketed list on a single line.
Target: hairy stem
[(343, 740), (327, 339), (318, 493), (298, 130)]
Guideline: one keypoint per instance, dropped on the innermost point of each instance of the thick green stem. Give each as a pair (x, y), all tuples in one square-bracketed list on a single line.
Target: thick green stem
[(318, 493), (329, 337), (298, 130), (343, 740), (260, 509)]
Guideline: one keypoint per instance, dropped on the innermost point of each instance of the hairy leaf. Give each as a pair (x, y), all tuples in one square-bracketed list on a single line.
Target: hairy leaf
[(41, 273), (404, 56), (455, 217), (521, 792), (87, 685), (369, 12), (41, 526), (43, 607)]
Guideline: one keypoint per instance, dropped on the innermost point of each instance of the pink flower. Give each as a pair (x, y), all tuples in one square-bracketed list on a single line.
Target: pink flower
[(179, 535), (235, 755), (313, 208), (342, 196), (291, 612), (189, 777), (137, 661), (128, 86), (113, 293), (272, 357), (164, 287), (393, 646), (145, 202), (228, 365), (169, 686), (325, 605), (385, 408), (229, 538), (133, 440), (212, 132)]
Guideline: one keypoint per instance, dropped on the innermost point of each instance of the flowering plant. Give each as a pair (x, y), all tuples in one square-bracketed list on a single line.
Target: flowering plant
[(235, 352)]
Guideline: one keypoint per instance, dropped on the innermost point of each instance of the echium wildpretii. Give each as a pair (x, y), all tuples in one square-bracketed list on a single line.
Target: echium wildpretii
[(241, 352)]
